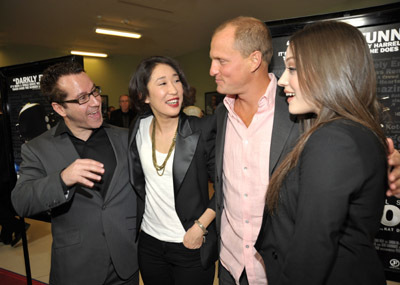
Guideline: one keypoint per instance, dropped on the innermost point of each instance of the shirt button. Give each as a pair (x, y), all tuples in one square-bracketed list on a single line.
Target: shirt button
[(245, 195), (245, 168), (246, 142), (246, 221), (247, 246)]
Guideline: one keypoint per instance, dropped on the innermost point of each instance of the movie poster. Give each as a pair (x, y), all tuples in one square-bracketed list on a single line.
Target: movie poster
[(24, 96), (384, 44), (28, 111)]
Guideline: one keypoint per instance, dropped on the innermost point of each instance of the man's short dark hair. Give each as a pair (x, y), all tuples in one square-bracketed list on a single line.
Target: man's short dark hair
[(51, 75)]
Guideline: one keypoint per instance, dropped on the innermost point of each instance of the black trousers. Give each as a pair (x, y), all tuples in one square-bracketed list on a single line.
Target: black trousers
[(225, 277), (114, 279), (170, 263)]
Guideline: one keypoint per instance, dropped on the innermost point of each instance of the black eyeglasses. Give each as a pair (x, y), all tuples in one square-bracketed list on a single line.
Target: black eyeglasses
[(85, 97)]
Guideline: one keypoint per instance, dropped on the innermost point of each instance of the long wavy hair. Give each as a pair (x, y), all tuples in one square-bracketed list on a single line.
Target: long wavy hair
[(336, 72)]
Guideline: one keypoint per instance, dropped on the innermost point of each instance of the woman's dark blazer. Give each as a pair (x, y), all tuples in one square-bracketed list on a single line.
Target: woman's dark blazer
[(329, 211), (193, 167)]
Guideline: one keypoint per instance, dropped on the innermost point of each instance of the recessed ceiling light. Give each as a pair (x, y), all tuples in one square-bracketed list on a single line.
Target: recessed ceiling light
[(96, 54), (118, 33)]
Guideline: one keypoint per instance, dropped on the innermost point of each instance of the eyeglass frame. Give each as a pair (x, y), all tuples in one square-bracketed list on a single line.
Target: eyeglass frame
[(95, 93)]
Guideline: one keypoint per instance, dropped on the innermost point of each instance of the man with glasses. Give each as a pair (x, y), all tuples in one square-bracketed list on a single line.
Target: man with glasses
[(77, 172)]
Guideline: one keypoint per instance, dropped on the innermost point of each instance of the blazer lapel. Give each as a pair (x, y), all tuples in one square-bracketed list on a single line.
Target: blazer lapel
[(136, 174), (283, 124), (185, 148), (222, 117), (68, 152), (65, 147), (120, 152)]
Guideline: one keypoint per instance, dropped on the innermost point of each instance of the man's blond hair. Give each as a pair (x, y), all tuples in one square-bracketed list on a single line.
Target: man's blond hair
[(250, 35)]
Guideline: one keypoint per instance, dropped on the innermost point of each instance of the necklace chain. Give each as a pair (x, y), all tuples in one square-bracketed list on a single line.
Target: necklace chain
[(160, 168)]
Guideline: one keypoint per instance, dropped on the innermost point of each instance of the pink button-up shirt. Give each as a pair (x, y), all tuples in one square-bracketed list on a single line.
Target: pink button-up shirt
[(245, 181)]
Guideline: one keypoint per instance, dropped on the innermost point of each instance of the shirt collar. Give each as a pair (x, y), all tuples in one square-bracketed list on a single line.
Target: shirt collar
[(62, 128), (266, 100)]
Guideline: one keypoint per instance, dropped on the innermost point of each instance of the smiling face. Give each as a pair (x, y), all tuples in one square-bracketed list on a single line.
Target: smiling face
[(165, 91), (230, 69), (298, 103), (80, 119)]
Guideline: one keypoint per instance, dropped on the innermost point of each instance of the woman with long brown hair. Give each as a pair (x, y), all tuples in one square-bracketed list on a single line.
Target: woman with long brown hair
[(325, 201)]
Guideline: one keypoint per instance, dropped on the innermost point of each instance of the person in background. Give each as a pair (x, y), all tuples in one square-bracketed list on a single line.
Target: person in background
[(171, 159), (210, 109), (325, 201), (188, 101), (78, 172), (110, 109), (123, 116), (255, 132)]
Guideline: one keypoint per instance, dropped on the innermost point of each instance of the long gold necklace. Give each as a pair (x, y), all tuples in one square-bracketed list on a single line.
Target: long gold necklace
[(160, 168)]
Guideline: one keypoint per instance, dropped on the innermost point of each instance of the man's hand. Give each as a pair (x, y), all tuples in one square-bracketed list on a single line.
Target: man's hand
[(193, 238), (83, 171), (394, 170)]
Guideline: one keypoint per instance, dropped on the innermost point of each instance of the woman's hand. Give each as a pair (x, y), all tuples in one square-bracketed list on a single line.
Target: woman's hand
[(193, 238), (394, 170)]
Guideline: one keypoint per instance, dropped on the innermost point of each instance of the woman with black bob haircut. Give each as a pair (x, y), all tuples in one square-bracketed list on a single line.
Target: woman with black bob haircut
[(325, 201), (171, 159)]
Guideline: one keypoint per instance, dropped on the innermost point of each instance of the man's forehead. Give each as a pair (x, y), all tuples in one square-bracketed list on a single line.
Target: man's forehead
[(224, 38), (75, 83), (227, 31)]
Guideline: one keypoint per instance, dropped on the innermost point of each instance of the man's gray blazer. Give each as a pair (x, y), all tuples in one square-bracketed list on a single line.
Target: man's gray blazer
[(87, 230)]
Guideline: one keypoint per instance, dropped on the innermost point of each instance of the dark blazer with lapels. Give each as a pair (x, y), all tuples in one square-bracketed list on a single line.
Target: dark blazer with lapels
[(329, 211), (87, 229), (193, 166), (285, 131)]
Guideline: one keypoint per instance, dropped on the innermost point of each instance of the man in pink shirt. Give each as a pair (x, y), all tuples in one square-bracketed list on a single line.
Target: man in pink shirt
[(255, 132)]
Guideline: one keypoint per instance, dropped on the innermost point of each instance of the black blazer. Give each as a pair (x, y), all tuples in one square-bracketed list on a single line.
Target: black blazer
[(284, 134), (116, 117), (193, 166), (329, 211)]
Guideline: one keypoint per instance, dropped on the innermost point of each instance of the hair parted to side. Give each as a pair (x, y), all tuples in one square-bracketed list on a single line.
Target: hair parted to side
[(250, 35), (51, 75), (138, 90), (336, 72)]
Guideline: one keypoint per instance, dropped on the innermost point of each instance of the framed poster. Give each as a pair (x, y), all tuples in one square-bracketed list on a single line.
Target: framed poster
[(212, 99), (104, 105), (26, 112)]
